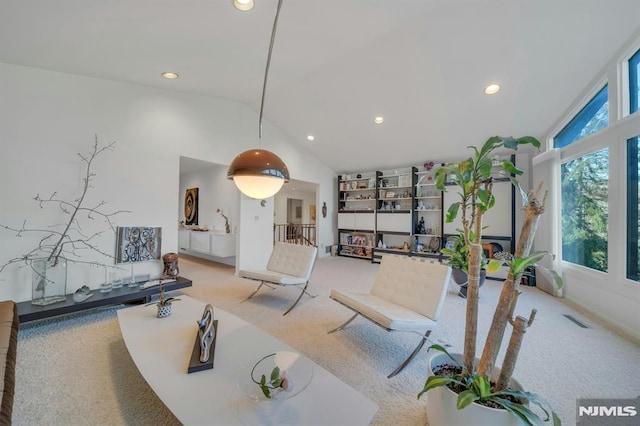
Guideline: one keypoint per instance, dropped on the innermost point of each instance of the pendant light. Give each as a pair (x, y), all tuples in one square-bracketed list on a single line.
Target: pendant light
[(259, 173)]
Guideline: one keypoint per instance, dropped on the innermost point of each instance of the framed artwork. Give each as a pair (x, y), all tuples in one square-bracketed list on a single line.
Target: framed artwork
[(191, 206), (138, 244), (312, 212)]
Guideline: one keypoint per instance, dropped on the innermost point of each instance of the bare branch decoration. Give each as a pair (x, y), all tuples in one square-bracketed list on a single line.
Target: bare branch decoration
[(67, 240)]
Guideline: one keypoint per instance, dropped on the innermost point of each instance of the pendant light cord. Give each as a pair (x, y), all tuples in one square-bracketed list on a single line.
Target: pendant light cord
[(266, 71)]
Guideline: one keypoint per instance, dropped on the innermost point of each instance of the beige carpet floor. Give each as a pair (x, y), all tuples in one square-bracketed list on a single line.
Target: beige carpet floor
[(76, 370)]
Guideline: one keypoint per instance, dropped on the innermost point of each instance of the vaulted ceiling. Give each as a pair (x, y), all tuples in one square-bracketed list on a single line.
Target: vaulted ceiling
[(422, 64)]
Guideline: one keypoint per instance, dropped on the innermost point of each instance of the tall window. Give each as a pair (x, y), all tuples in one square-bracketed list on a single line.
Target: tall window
[(585, 210), (593, 117), (633, 224), (634, 82)]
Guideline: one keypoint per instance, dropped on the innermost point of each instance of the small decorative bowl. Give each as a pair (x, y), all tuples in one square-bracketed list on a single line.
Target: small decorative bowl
[(297, 368)]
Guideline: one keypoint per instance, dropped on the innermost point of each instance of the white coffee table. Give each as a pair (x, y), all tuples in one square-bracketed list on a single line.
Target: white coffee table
[(161, 349)]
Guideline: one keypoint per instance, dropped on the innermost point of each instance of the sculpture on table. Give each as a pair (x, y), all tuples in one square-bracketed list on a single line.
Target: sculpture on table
[(171, 269), (206, 332)]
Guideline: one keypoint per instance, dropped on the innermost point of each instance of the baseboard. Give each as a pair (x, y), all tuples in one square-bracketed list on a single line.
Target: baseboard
[(627, 331)]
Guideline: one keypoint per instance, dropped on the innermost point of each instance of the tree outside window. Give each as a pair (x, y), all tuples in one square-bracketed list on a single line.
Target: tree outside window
[(585, 210)]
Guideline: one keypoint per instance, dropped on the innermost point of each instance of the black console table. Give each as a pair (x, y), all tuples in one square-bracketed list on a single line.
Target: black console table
[(29, 312)]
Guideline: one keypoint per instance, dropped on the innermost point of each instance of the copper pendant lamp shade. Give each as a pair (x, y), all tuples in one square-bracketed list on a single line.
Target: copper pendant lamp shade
[(259, 173)]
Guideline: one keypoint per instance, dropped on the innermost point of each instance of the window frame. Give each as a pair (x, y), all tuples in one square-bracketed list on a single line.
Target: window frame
[(586, 102)]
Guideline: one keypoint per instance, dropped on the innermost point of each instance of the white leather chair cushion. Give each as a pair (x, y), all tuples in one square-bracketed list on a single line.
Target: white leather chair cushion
[(273, 277), (412, 283), (292, 259), (383, 312)]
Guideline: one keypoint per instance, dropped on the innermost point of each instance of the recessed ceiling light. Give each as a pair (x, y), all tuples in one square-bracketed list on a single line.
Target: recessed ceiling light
[(310, 138), (378, 120), (492, 89), (170, 75), (243, 5)]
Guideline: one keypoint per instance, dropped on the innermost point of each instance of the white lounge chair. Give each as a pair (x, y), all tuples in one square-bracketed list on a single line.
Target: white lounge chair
[(407, 295), (289, 265)]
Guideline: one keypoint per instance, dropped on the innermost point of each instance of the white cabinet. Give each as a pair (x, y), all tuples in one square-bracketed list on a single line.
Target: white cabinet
[(183, 239), (394, 222), (200, 241), (357, 221), (207, 243), (223, 245)]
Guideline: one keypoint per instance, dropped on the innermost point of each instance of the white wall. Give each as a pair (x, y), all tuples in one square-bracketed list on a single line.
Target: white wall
[(47, 117), (308, 199), (215, 191)]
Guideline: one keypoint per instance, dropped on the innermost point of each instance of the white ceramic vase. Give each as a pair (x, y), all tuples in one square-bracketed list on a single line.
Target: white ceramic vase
[(442, 410)]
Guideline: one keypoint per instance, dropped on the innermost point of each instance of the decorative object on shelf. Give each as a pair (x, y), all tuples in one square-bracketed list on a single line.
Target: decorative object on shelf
[(259, 173), (163, 303), (420, 229), (428, 165), (277, 376), (359, 176), (170, 265), (49, 280), (434, 244), (191, 206), (60, 243), (324, 209), (82, 294), (138, 244), (473, 378), (227, 227)]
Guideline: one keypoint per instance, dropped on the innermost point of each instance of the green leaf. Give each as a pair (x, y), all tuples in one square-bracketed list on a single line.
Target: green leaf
[(435, 382), (265, 391), (275, 373), (519, 264), (444, 351), (529, 140), (482, 386), (523, 194), (452, 212), (510, 167), (494, 265), (484, 169), (263, 380), (483, 195), (510, 142), (465, 398), (527, 416)]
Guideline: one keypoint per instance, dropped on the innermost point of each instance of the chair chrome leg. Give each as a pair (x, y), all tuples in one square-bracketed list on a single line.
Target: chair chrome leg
[(303, 291), (340, 327), (410, 357), (254, 292)]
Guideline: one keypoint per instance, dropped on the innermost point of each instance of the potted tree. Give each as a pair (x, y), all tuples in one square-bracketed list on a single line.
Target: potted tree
[(476, 388)]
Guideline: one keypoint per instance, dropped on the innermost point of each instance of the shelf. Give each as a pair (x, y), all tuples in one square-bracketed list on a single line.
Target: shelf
[(357, 189), (396, 187), (358, 199), (393, 232), (357, 211), (29, 312), (428, 197), (426, 235), (356, 256), (394, 211), (357, 245), (427, 210), (394, 175), (391, 250)]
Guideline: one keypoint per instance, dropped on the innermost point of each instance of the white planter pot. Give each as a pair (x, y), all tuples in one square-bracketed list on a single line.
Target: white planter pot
[(442, 410)]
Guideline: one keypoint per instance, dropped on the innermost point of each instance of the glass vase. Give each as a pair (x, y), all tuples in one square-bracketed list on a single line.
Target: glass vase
[(49, 281)]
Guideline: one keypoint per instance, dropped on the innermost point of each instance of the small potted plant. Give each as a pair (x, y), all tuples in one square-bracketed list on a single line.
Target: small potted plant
[(163, 304), (458, 259)]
